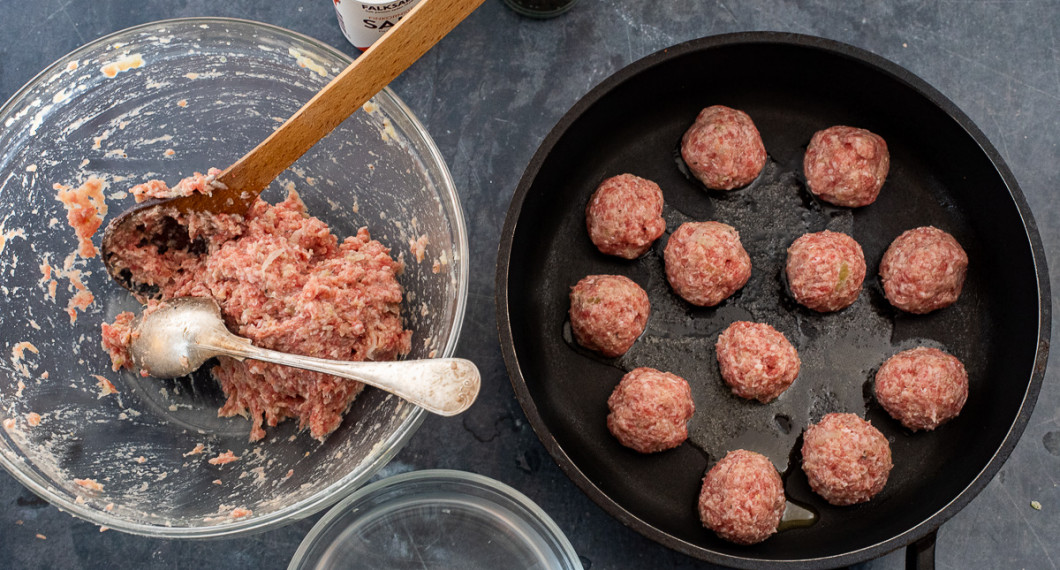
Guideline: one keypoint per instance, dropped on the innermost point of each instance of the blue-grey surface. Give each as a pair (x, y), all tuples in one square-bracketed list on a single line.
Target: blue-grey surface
[(489, 93)]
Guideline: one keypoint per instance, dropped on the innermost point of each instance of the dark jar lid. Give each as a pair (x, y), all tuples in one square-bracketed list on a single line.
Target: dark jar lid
[(540, 8)]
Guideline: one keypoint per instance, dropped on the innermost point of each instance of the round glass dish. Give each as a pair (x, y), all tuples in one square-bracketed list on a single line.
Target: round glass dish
[(436, 519), (160, 101)]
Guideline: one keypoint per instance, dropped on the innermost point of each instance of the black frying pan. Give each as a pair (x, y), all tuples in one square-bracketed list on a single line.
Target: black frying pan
[(943, 173)]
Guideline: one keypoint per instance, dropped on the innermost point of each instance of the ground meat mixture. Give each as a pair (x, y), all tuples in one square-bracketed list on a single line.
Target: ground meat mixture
[(116, 338), (846, 460), (923, 270), (85, 208), (608, 313), (723, 148), (650, 410), (624, 215), (756, 360), (846, 166), (223, 458), (825, 270), (285, 282), (197, 182), (742, 498), (922, 387), (706, 263)]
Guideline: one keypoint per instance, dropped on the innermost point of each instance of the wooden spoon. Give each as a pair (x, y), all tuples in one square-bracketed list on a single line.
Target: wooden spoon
[(394, 52)]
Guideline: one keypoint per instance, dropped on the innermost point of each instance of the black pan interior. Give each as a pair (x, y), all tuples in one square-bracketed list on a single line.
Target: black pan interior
[(940, 175)]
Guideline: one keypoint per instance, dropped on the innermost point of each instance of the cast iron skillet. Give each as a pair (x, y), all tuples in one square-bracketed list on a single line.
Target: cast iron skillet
[(943, 173)]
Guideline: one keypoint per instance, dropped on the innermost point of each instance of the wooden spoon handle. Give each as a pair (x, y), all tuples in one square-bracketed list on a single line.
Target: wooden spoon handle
[(394, 52)]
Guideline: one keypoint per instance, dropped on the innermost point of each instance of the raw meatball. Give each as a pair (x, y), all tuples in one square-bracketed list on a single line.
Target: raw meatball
[(723, 148), (756, 360), (846, 460), (624, 215), (705, 262), (742, 498), (922, 387), (608, 313), (923, 270), (846, 166), (825, 270), (650, 410)]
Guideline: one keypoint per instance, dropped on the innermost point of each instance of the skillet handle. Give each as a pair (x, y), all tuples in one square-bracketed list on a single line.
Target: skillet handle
[(921, 554)]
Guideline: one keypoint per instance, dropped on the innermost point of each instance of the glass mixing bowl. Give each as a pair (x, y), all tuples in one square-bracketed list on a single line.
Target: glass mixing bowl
[(436, 519), (160, 101)]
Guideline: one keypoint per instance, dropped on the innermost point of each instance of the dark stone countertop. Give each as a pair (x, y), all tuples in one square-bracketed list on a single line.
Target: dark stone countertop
[(488, 94)]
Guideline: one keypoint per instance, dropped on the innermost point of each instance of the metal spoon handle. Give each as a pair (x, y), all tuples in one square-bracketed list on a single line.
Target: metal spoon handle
[(445, 386)]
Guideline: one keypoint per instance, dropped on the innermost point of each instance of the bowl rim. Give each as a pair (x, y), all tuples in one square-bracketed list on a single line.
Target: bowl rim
[(547, 528), (391, 446)]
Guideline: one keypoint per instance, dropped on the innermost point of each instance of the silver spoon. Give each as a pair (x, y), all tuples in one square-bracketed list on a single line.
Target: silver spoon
[(183, 333)]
